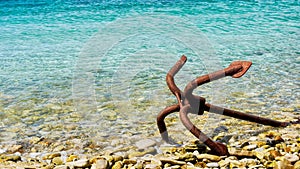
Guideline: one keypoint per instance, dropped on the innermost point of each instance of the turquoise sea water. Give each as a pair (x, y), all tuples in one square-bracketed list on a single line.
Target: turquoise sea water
[(103, 63)]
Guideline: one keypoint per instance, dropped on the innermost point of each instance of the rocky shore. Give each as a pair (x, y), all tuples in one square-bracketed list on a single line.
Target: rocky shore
[(271, 148)]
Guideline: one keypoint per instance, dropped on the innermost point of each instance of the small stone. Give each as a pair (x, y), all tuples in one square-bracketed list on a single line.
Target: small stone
[(287, 109), (291, 157), (224, 163), (59, 148), (256, 166), (139, 165), (100, 164), (72, 158), (118, 158), (51, 156), (250, 147), (57, 161), (260, 143), (35, 140), (253, 138), (14, 158), (297, 165), (171, 161), (241, 153), (15, 148), (288, 149), (260, 155), (61, 167), (129, 161), (271, 134), (95, 158), (249, 162), (200, 165), (236, 164), (80, 163), (212, 165), (274, 154), (209, 157), (283, 163), (270, 164), (186, 156), (136, 154), (156, 162), (117, 165), (152, 166), (2, 151), (278, 139)]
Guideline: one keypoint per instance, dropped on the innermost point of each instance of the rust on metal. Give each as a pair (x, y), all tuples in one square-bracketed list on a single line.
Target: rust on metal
[(190, 103)]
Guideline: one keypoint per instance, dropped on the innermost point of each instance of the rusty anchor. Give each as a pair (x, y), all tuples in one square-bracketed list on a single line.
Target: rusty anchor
[(190, 103)]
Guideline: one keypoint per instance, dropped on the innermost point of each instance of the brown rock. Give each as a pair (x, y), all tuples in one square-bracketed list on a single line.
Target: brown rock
[(274, 154), (278, 139)]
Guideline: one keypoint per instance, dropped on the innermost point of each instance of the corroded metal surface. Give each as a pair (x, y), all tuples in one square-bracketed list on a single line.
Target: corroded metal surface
[(189, 103)]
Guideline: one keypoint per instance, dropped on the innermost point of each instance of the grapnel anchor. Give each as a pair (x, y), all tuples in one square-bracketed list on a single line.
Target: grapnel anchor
[(190, 103)]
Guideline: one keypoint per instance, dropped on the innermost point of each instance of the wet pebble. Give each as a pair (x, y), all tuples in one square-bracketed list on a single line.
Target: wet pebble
[(13, 158), (144, 144), (15, 148)]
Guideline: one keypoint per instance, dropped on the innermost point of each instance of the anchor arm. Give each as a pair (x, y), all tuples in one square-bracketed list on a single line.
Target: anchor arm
[(216, 148), (172, 72), (243, 116), (160, 120), (236, 69), (177, 92)]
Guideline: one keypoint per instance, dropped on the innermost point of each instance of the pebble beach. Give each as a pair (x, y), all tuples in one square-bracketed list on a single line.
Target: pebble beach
[(258, 147)]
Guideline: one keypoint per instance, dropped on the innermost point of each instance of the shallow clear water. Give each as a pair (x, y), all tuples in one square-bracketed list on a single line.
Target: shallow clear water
[(103, 64)]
